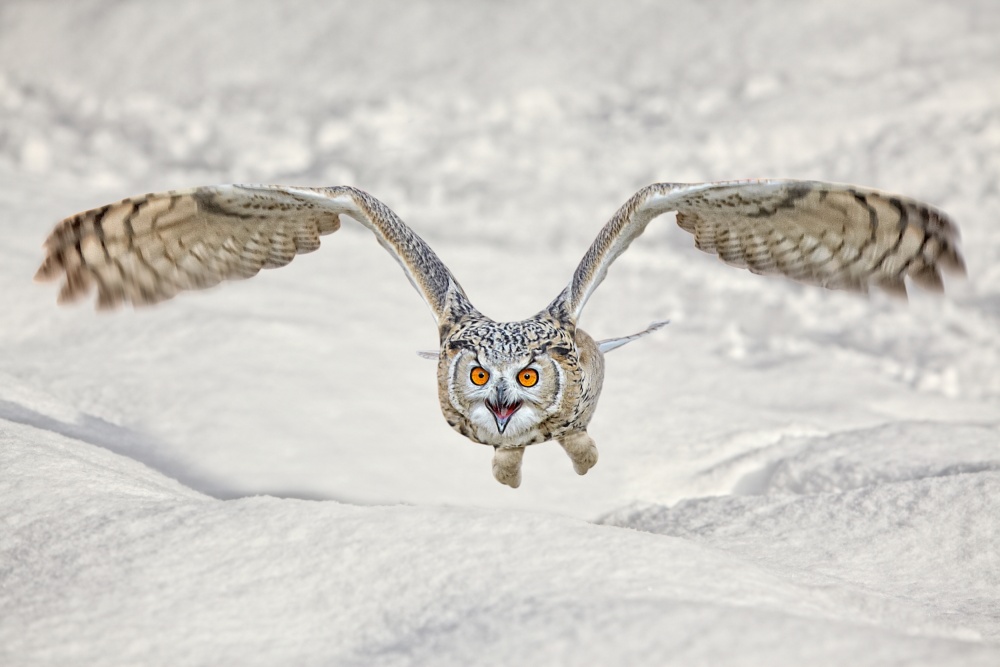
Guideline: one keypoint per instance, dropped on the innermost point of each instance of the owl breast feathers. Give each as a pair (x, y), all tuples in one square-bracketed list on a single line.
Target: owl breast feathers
[(509, 384)]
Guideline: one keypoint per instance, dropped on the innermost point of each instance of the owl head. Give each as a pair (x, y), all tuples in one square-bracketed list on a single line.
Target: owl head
[(506, 383)]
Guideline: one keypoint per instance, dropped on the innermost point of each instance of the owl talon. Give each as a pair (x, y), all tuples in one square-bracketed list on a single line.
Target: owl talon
[(507, 465), (581, 450)]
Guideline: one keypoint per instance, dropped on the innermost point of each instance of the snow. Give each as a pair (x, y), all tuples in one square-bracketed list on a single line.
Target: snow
[(259, 474)]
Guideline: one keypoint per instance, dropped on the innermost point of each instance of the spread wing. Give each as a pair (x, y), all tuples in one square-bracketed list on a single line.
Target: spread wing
[(146, 249), (835, 236)]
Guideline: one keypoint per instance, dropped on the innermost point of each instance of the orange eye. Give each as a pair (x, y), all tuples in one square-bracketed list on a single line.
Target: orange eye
[(528, 377), (479, 376)]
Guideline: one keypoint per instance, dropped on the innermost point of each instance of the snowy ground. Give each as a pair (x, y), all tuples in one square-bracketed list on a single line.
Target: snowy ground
[(260, 474)]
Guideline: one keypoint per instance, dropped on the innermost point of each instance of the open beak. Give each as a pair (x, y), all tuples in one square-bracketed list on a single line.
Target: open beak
[(502, 412)]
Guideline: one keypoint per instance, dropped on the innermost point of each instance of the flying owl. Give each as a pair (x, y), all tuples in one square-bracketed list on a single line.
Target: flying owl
[(504, 384)]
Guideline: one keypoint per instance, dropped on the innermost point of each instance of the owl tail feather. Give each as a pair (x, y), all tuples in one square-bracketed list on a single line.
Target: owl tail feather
[(613, 343)]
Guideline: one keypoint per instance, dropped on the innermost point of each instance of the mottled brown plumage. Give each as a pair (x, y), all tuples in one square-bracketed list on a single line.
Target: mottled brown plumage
[(509, 384)]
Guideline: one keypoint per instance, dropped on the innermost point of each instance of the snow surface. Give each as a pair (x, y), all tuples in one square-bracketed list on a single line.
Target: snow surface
[(259, 474)]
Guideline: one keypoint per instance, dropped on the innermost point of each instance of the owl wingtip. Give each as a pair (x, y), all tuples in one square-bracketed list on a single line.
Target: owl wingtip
[(954, 264), (49, 270)]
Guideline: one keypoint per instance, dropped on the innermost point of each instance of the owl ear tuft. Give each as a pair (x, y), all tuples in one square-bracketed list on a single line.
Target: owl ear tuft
[(428, 354), (614, 343)]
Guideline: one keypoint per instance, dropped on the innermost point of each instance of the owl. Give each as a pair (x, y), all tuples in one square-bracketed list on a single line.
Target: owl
[(504, 384)]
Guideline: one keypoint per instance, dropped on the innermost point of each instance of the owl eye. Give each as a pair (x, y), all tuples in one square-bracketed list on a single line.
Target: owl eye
[(528, 377), (479, 376)]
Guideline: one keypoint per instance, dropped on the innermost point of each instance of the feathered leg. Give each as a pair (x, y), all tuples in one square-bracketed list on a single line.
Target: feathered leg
[(507, 465), (581, 450)]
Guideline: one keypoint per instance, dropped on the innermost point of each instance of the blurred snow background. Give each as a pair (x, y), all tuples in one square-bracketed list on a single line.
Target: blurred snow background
[(802, 477)]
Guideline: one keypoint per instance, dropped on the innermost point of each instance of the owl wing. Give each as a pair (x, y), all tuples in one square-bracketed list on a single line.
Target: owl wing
[(835, 236), (146, 249)]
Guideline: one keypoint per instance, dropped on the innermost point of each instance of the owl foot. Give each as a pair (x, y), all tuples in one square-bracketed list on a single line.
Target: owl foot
[(507, 465), (581, 450)]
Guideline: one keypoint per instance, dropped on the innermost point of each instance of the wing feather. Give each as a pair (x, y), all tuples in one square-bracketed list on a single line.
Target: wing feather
[(835, 236), (146, 249)]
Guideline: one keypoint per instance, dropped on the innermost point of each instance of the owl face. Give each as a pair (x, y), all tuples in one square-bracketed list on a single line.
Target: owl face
[(502, 394), (506, 400)]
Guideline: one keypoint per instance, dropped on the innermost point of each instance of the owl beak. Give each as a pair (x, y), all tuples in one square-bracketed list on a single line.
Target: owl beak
[(503, 407), (503, 412)]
